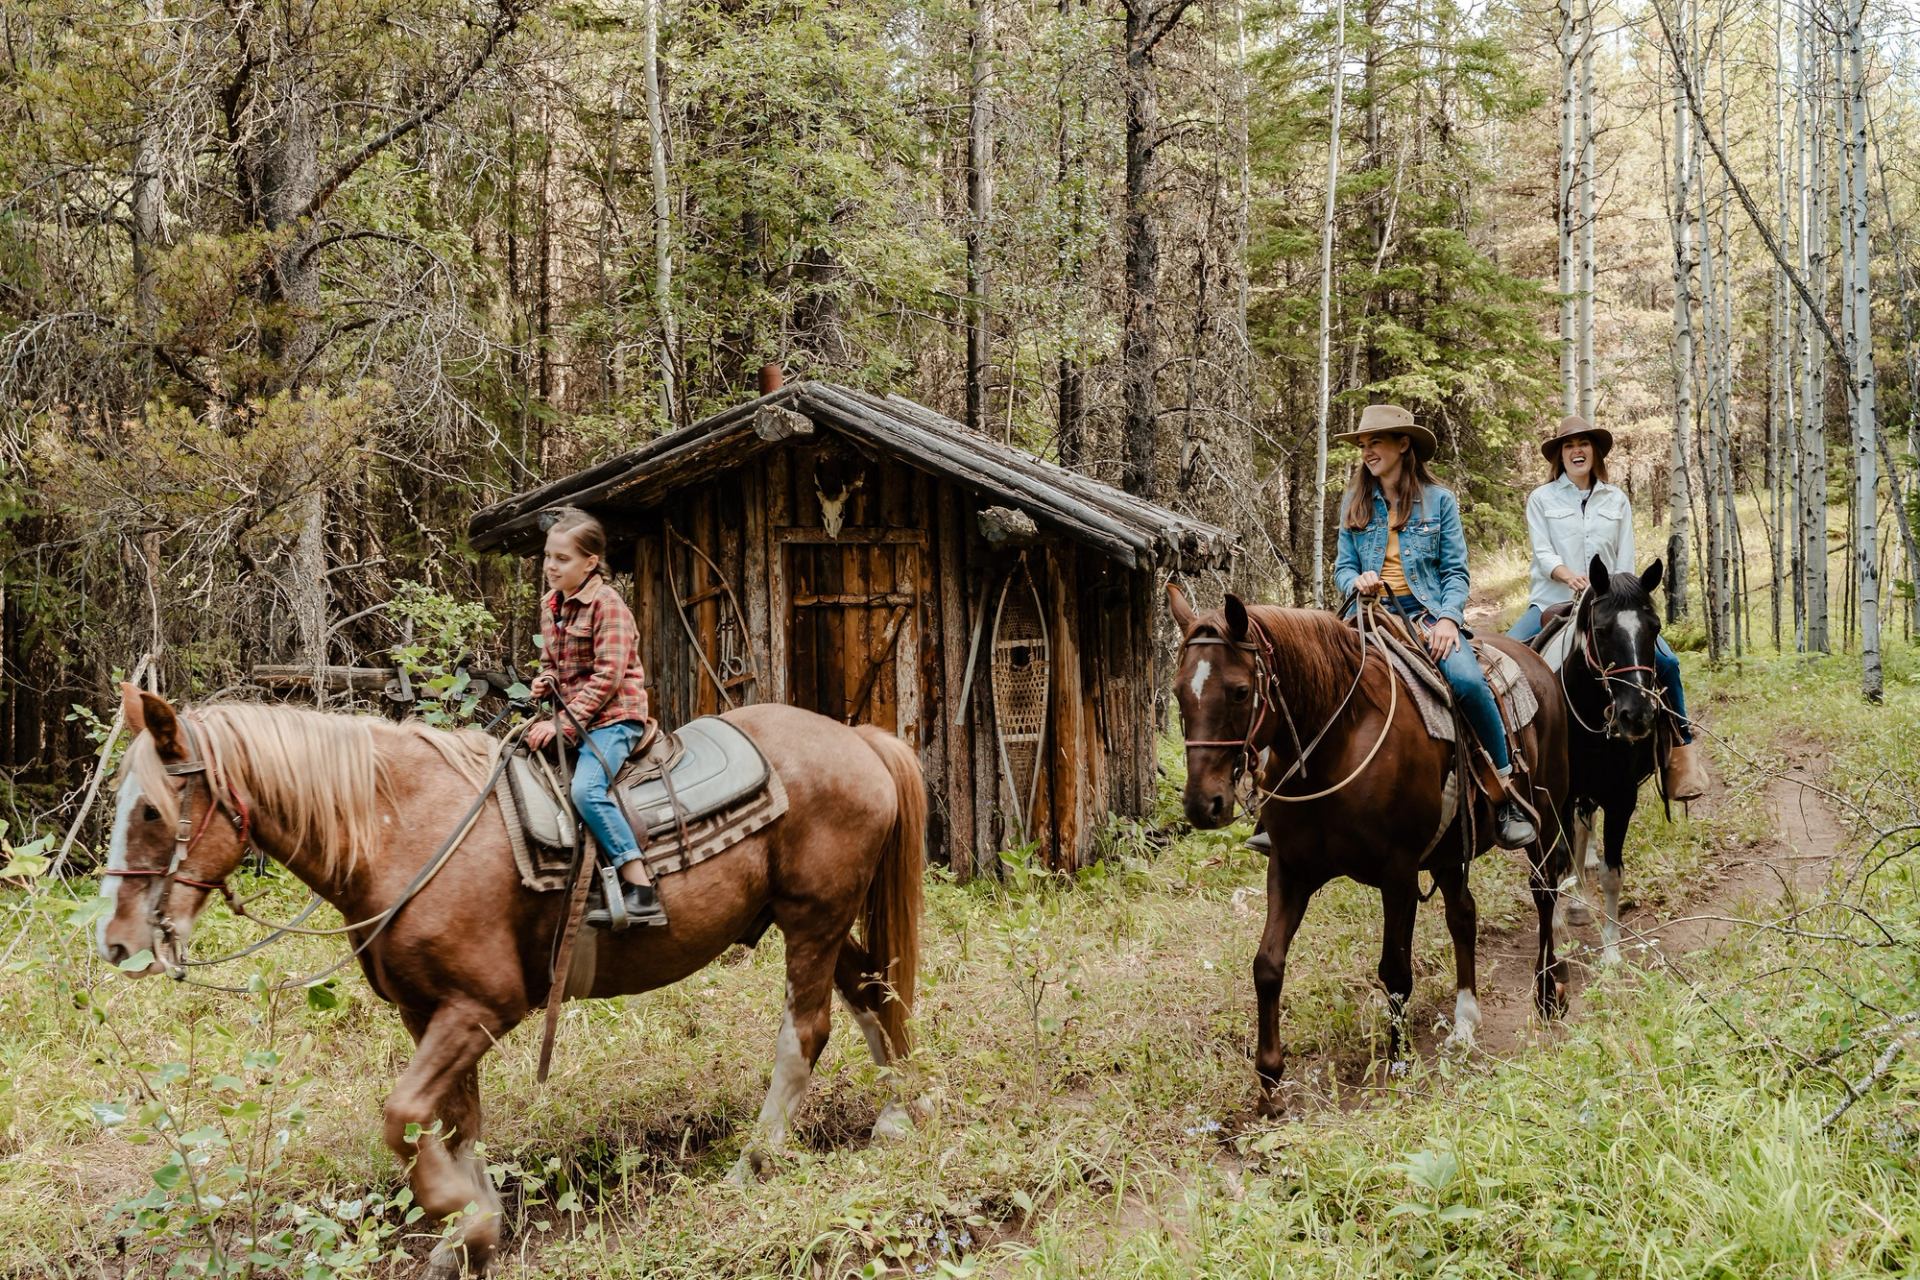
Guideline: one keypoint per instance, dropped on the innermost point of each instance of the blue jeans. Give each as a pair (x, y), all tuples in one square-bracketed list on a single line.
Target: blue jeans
[(1469, 684), (1529, 626), (597, 809), (1666, 666)]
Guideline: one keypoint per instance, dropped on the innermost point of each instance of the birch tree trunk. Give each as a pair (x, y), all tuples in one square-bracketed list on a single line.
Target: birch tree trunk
[(1865, 427), (1780, 401), (1326, 308), (1813, 514), (1569, 285), (1587, 179), (662, 215), (1680, 496)]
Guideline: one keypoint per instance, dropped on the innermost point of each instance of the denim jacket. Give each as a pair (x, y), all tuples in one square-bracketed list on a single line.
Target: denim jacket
[(1433, 552)]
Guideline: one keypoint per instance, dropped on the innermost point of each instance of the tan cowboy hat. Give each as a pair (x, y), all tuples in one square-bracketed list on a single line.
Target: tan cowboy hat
[(1574, 425), (1391, 419)]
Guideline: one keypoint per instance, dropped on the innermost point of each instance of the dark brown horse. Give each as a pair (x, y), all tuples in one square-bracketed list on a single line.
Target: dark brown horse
[(357, 808), (1366, 802)]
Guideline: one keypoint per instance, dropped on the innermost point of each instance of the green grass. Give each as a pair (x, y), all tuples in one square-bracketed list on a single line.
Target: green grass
[(1670, 1129)]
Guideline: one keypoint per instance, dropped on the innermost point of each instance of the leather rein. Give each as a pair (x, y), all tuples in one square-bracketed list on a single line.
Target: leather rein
[(1268, 693)]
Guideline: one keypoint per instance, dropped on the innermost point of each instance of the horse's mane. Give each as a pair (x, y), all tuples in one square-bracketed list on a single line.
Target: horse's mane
[(322, 776), (1624, 590), (1317, 651)]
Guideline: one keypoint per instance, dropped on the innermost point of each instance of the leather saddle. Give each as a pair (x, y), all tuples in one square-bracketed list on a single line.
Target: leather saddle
[(707, 766)]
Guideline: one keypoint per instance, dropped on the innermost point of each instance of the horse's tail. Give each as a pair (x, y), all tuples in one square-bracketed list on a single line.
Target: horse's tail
[(891, 929)]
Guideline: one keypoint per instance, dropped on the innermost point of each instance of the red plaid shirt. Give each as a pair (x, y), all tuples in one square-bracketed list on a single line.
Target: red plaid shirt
[(591, 646)]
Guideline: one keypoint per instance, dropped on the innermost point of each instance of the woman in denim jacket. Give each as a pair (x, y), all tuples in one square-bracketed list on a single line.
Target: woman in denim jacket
[(1400, 534)]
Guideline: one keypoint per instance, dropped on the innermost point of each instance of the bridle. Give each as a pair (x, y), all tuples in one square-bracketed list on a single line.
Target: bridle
[(187, 833), (1267, 692), (1606, 675)]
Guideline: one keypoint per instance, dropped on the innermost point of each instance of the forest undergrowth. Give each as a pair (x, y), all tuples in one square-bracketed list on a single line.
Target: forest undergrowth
[(1085, 1047)]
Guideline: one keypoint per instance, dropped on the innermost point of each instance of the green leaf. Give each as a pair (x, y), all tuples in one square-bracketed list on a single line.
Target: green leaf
[(321, 996), (170, 1175), (137, 962), (25, 866), (90, 913), (1460, 1213), (1406, 1207)]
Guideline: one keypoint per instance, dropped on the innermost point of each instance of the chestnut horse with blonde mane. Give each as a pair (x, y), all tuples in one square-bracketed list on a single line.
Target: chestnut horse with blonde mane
[(1258, 684), (359, 808)]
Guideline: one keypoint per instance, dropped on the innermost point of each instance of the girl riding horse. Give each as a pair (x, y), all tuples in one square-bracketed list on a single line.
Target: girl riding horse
[(1400, 534), (1573, 518)]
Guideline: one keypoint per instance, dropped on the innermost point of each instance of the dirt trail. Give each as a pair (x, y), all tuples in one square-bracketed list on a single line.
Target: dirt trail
[(1807, 839)]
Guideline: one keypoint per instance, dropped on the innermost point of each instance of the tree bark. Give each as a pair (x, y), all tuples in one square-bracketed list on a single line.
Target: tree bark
[(1326, 307), (662, 217), (979, 208), (1865, 426), (1680, 497)]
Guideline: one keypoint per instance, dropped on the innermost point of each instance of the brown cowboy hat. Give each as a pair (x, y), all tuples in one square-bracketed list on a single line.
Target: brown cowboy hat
[(1391, 419), (1574, 425)]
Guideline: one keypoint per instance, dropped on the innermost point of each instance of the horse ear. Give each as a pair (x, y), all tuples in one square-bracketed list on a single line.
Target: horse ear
[(130, 708), (1598, 579), (1650, 576), (164, 726), (1182, 611), (1236, 618)]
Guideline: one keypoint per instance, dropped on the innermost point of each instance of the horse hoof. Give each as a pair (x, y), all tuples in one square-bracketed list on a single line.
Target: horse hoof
[(1269, 1106), (1460, 1040), (894, 1123), (1577, 913), (1610, 956)]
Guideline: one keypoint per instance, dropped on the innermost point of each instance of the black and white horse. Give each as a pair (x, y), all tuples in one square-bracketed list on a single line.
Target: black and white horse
[(1614, 708)]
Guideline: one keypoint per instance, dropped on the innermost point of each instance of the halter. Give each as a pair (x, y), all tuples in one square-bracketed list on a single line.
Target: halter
[(187, 834), (1267, 691), (1606, 675)]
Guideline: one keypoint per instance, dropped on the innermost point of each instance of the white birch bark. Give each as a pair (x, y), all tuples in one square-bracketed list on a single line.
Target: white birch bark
[(1569, 62), (1587, 177), (1326, 307), (1865, 537), (1813, 411), (1680, 496)]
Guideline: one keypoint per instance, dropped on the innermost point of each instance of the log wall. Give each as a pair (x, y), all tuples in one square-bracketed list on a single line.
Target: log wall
[(910, 547)]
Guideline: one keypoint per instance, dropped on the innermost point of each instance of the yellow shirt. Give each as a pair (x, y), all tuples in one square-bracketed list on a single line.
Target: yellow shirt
[(1390, 571)]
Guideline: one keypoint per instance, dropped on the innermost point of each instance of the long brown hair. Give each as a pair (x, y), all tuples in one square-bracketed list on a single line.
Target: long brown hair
[(1357, 511)]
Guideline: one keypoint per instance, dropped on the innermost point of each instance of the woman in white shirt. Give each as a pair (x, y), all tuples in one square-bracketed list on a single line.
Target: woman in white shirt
[(1573, 518)]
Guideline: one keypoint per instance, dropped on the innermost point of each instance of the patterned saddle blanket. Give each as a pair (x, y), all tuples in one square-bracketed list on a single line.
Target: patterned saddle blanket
[(699, 791), (1431, 694)]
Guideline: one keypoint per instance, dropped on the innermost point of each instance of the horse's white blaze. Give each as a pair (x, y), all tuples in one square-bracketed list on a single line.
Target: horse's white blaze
[(1201, 673), (1629, 624), (116, 856)]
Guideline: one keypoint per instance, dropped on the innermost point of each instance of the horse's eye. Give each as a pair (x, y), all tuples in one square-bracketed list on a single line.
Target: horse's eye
[(149, 814), (1239, 692)]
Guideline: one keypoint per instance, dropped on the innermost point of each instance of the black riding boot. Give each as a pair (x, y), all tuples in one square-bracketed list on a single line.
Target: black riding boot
[(1512, 829), (642, 904), (1260, 842)]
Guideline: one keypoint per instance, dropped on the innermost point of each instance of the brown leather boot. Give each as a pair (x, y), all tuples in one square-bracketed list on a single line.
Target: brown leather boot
[(1686, 775)]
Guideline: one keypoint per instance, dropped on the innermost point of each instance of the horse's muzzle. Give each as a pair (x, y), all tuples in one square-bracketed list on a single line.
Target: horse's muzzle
[(1630, 723), (1208, 810)]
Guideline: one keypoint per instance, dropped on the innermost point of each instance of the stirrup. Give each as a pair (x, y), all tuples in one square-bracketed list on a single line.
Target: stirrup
[(614, 898)]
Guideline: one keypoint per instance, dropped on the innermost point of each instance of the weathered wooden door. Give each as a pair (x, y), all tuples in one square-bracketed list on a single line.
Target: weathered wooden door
[(853, 626)]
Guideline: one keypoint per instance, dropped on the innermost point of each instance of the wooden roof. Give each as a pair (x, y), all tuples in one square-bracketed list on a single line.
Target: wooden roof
[(1131, 530)]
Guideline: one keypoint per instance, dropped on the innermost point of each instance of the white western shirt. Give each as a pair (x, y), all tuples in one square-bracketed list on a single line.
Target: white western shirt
[(1569, 527)]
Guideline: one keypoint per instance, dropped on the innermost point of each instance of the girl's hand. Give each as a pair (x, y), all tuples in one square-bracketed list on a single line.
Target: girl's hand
[(1369, 584), (1443, 638), (539, 735), (543, 686)]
